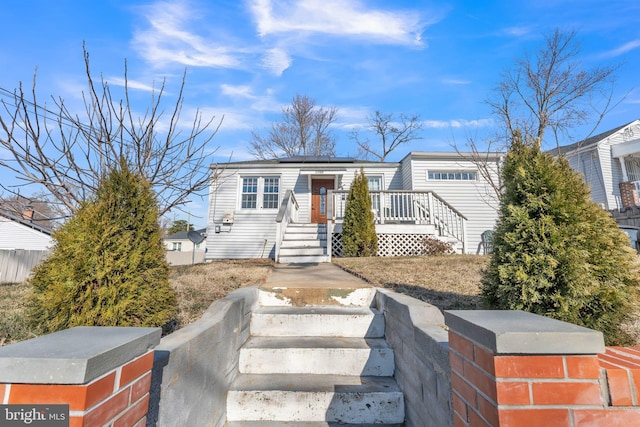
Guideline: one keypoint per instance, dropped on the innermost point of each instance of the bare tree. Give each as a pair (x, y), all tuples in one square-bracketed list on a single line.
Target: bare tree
[(549, 92), (68, 154), (303, 131), (392, 134)]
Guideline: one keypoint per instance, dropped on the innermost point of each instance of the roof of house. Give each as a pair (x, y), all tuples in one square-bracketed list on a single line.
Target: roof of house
[(299, 159), (184, 235), (26, 223), (586, 143)]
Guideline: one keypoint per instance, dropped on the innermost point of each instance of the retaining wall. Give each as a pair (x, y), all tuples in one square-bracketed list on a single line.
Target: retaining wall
[(492, 368), (416, 332), (194, 366)]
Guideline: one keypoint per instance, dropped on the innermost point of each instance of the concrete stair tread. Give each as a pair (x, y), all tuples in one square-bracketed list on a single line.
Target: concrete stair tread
[(316, 342), (316, 309), (317, 356), (339, 384), (302, 424)]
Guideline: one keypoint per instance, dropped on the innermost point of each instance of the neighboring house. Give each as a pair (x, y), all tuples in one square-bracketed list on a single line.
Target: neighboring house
[(610, 163), (23, 245), (180, 241), (21, 233), (284, 208), (182, 251)]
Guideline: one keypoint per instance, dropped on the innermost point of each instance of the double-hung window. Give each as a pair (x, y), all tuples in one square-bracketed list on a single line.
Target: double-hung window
[(270, 192), (249, 193), (260, 192)]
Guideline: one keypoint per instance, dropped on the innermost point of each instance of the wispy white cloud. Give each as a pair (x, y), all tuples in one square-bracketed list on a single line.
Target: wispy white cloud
[(453, 81), (276, 60), (627, 47), (132, 84), (241, 91), (457, 123), (517, 31), (338, 17), (168, 39)]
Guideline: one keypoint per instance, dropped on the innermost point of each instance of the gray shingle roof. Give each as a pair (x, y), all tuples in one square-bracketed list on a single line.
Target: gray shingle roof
[(585, 143)]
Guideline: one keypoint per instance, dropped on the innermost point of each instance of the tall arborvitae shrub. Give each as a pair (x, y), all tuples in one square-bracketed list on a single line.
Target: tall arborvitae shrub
[(555, 252), (358, 229), (108, 266)]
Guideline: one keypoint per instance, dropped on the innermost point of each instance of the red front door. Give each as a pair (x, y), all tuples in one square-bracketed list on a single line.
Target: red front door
[(319, 200)]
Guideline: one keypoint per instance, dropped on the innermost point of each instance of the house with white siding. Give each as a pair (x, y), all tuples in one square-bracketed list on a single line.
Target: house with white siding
[(610, 164), (21, 233), (291, 209)]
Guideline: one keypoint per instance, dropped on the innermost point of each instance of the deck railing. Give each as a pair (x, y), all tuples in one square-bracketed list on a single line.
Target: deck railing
[(407, 207), (287, 213)]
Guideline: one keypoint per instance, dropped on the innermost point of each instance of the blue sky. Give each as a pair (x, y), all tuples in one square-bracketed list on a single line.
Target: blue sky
[(245, 60)]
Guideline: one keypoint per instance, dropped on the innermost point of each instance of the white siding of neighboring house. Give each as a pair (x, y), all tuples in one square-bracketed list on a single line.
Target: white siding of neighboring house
[(14, 235), (588, 162), (476, 200)]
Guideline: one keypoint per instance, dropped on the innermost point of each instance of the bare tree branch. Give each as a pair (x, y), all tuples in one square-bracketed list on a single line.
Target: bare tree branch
[(392, 134), (304, 131), (68, 154), (547, 93), (550, 90)]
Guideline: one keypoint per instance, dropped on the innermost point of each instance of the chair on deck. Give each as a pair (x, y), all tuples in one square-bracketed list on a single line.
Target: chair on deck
[(487, 241)]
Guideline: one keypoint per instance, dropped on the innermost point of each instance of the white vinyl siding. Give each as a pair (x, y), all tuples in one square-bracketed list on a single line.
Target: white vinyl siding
[(14, 235), (475, 199)]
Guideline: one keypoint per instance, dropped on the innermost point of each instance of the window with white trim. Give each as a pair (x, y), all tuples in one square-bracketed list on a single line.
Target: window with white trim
[(375, 183), (270, 194), (444, 175), (176, 246), (249, 193), (258, 191)]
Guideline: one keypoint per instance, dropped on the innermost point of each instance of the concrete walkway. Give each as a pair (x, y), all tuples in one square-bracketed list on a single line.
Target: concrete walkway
[(313, 275)]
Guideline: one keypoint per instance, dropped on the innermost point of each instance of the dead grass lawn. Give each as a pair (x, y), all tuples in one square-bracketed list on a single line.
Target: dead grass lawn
[(196, 287), (446, 281), (200, 285)]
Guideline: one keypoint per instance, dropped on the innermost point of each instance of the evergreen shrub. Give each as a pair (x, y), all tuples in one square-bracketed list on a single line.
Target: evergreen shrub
[(108, 266), (359, 237), (556, 252)]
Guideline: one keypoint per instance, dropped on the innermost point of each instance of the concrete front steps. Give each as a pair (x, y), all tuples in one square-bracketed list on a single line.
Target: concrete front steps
[(309, 365), (304, 243)]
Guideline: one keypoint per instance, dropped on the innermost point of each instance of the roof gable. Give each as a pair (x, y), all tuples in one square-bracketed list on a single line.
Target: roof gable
[(588, 143)]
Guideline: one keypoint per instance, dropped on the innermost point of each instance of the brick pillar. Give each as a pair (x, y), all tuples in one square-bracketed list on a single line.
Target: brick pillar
[(628, 194), (102, 373), (511, 368)]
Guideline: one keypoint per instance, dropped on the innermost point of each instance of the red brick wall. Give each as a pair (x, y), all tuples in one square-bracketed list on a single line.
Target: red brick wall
[(119, 397), (540, 390), (628, 194)]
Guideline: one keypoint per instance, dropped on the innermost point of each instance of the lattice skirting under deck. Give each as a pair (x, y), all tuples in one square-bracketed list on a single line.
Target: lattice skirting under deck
[(388, 244)]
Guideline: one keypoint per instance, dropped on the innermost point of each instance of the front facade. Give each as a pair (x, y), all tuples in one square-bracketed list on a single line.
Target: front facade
[(251, 203), (610, 164)]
